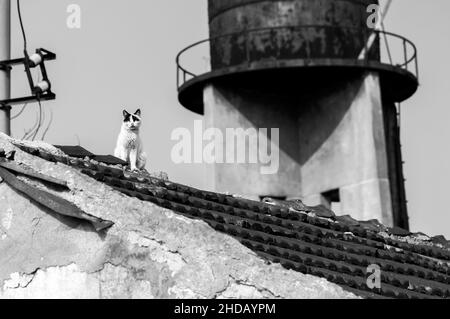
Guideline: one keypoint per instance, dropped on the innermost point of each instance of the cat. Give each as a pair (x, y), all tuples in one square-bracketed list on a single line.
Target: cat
[(129, 144)]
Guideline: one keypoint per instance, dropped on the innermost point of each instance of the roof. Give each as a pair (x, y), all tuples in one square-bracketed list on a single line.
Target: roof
[(336, 248)]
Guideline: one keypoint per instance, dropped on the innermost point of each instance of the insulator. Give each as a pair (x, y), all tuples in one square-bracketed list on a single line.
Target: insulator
[(35, 60), (43, 86)]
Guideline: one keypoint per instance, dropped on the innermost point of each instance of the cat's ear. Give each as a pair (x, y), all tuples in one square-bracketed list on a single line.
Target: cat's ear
[(125, 113), (138, 112)]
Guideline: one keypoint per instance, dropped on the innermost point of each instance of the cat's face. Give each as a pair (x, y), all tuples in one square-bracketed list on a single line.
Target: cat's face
[(132, 121)]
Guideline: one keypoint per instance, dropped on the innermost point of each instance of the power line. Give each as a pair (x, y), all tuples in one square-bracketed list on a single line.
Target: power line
[(373, 35), (40, 117), (398, 105), (78, 139), (40, 121), (26, 104), (48, 126), (386, 42), (20, 113), (30, 131), (386, 9), (21, 26)]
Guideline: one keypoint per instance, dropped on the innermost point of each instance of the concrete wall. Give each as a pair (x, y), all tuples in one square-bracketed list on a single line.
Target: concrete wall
[(332, 138), (227, 107)]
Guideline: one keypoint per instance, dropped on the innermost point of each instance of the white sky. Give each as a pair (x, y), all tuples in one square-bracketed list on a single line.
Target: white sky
[(123, 56)]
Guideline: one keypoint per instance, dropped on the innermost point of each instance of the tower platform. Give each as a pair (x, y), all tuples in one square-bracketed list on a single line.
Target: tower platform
[(256, 59)]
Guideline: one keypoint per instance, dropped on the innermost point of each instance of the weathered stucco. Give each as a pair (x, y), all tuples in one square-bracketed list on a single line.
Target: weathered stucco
[(150, 252)]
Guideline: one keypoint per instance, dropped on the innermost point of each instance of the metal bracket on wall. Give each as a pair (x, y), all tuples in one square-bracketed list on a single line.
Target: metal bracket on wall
[(36, 94)]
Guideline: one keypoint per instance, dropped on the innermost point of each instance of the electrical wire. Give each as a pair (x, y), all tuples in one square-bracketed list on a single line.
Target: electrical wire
[(386, 42), (41, 113), (386, 9), (38, 79), (40, 121), (374, 33), (78, 139), (48, 126), (20, 113), (399, 105), (31, 131), (19, 11), (35, 127), (41, 117)]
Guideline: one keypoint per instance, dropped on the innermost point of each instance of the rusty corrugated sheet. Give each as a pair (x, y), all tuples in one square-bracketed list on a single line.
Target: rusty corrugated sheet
[(52, 202), (75, 151), (23, 170)]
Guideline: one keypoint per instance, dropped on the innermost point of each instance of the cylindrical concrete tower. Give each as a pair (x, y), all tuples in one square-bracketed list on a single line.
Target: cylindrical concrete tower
[(324, 83)]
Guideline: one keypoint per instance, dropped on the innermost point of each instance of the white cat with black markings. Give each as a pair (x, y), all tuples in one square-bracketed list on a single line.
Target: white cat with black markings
[(129, 144)]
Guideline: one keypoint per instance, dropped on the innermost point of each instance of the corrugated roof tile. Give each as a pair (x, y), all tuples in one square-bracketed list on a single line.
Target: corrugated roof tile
[(339, 249)]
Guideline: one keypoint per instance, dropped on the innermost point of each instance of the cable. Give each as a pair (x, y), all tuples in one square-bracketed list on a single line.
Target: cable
[(35, 130), (40, 121), (41, 114), (21, 26), (373, 34), (21, 111), (26, 104), (78, 139), (48, 126), (31, 131), (386, 9), (36, 127), (386, 42)]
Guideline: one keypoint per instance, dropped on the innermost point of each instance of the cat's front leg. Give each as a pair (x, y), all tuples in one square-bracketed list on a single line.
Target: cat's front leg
[(118, 153), (141, 161), (121, 153), (133, 159)]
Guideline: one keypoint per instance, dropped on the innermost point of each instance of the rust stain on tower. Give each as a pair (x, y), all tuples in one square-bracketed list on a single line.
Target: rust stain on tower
[(283, 30)]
